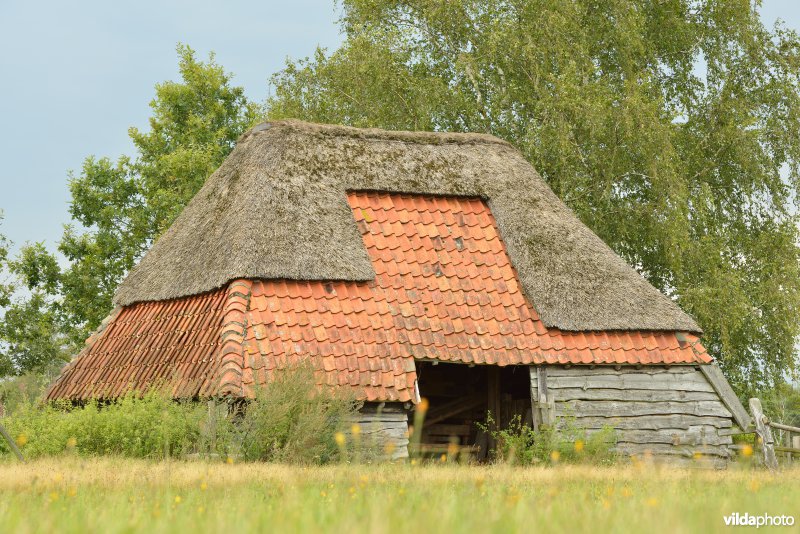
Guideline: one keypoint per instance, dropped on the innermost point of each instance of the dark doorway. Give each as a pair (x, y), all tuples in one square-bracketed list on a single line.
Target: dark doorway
[(460, 398)]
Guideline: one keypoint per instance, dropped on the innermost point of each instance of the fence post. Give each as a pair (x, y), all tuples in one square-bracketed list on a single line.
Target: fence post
[(12, 444), (765, 433)]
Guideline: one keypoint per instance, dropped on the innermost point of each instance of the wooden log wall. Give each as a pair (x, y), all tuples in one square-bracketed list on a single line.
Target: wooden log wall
[(669, 413), (383, 430)]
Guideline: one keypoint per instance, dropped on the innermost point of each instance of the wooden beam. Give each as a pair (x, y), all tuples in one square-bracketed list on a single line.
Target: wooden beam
[(454, 407), (714, 375), (780, 426), (791, 450), (542, 401), (493, 400), (12, 444), (764, 432)]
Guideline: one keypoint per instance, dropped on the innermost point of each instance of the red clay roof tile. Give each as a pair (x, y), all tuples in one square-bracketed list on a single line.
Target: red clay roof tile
[(445, 289)]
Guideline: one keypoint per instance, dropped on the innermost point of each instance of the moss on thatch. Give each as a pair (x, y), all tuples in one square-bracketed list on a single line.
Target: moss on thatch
[(277, 208)]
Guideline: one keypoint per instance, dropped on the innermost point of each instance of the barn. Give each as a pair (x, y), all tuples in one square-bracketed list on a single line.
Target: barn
[(408, 265)]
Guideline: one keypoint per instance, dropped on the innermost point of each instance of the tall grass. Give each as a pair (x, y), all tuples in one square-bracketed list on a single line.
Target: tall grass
[(121, 495), (293, 421), (520, 444), (146, 426), (289, 420)]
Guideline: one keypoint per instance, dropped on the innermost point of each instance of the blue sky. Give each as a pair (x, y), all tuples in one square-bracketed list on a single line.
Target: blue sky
[(76, 75)]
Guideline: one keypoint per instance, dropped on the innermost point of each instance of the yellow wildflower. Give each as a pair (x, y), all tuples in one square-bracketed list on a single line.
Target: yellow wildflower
[(422, 407)]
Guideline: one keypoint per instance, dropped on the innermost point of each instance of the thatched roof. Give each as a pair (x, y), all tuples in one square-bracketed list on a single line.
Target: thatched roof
[(277, 208)]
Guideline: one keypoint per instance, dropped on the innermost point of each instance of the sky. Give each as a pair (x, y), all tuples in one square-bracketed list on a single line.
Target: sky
[(74, 76)]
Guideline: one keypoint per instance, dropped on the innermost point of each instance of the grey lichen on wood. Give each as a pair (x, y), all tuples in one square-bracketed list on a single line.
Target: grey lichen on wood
[(671, 412), (765, 433), (717, 380), (382, 431)]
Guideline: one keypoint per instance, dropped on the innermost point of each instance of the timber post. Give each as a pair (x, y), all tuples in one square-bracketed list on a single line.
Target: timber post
[(764, 432), (543, 405), (12, 444)]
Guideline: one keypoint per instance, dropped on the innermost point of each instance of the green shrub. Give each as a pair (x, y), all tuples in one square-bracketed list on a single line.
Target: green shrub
[(521, 444), (140, 426), (17, 391), (292, 420)]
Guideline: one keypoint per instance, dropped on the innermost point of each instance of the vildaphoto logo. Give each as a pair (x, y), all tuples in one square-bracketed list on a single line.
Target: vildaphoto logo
[(764, 520)]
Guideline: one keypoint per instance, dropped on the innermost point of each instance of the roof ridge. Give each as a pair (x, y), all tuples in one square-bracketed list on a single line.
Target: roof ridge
[(378, 134), (232, 333)]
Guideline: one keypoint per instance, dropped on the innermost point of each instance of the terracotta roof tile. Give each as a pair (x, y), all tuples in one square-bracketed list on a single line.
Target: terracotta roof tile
[(445, 289)]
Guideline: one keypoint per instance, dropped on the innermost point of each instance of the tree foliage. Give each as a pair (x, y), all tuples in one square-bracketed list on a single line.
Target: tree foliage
[(118, 209), (123, 206), (669, 127), (6, 288)]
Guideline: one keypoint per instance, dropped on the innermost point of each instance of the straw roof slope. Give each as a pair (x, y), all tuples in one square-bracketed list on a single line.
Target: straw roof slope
[(277, 209)]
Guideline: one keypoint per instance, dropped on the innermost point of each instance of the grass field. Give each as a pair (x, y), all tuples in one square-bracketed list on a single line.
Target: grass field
[(118, 495)]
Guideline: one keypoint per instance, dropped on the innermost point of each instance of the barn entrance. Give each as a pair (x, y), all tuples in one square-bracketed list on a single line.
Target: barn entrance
[(460, 397)]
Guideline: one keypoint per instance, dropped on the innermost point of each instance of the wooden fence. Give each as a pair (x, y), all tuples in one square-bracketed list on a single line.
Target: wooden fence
[(789, 444), (11, 443)]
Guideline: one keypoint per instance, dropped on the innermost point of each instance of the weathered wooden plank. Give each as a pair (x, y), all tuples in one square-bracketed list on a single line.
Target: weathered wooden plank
[(654, 422), (660, 449), (452, 408), (764, 432), (636, 408), (685, 462), (780, 426), (536, 415), (706, 435), (384, 431), (720, 384), (646, 395), (545, 402), (366, 421), (734, 431), (678, 381), (12, 444), (578, 370)]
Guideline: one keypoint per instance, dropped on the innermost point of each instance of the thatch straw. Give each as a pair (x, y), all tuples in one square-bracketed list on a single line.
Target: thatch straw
[(277, 208)]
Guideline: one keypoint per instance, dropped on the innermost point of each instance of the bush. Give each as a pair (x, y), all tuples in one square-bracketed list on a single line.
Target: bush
[(521, 444), (17, 391), (292, 420), (139, 426)]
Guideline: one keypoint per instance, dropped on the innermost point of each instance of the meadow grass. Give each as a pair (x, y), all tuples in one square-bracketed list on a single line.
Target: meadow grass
[(125, 495)]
